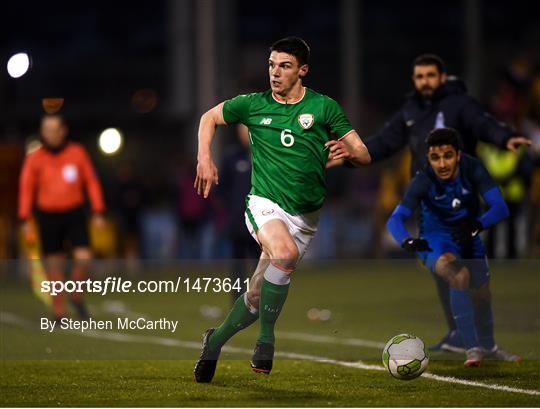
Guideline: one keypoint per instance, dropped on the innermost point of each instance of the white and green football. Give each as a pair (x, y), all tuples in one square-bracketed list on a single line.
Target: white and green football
[(405, 356)]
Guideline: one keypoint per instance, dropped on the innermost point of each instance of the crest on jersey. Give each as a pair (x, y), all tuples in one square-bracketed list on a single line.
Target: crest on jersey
[(456, 204), (306, 121)]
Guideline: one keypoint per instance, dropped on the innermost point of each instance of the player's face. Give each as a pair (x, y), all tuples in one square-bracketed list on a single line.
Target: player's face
[(444, 160), (427, 79), (53, 131), (285, 72)]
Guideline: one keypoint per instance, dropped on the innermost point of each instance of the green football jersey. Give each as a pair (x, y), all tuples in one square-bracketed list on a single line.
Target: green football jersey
[(287, 145)]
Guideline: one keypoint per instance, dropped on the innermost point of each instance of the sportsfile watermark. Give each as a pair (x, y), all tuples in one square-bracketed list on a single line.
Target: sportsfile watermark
[(112, 285), (120, 324), (335, 309)]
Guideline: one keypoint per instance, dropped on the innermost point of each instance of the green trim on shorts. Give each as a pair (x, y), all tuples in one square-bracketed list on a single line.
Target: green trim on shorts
[(250, 215)]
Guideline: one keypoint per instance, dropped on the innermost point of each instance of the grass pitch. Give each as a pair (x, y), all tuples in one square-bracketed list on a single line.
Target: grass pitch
[(293, 383), (369, 302)]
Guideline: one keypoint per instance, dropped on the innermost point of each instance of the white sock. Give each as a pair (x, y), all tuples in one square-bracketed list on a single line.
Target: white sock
[(276, 276)]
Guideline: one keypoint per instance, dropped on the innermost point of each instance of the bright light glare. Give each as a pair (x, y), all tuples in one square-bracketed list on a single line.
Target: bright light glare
[(18, 65), (110, 141)]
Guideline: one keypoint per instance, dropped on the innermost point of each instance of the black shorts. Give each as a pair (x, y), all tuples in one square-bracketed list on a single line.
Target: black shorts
[(56, 228)]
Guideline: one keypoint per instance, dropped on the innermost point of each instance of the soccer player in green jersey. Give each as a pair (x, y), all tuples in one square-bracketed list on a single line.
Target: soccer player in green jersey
[(289, 133)]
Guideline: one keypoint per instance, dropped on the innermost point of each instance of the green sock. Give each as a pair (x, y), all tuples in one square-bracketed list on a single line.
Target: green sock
[(273, 297), (239, 318)]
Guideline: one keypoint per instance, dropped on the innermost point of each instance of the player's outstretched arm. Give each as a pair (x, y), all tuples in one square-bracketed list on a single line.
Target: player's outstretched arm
[(410, 202), (207, 173), (486, 128), (497, 208), (348, 148), (396, 226), (469, 227), (391, 138), (396, 223)]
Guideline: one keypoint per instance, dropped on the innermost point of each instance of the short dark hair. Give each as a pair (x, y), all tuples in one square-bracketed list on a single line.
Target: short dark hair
[(294, 46), (443, 136), (430, 59)]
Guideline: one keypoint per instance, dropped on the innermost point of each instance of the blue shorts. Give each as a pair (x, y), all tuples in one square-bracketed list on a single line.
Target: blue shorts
[(475, 261)]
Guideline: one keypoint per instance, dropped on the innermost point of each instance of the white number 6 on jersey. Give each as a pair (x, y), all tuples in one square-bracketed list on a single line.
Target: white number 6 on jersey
[(287, 139)]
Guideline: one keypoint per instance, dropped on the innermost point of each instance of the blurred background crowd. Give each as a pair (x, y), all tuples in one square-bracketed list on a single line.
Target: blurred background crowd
[(145, 71)]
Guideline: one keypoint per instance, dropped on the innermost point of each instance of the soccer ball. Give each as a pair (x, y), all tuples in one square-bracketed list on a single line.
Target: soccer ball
[(405, 357)]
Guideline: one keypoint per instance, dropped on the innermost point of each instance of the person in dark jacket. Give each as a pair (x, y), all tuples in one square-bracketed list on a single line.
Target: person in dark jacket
[(439, 101)]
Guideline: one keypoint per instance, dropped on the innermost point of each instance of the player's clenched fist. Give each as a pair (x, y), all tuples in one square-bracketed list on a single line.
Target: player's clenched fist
[(206, 175), (337, 150)]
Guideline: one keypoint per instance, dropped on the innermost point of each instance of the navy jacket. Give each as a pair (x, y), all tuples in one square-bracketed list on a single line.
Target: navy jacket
[(450, 107)]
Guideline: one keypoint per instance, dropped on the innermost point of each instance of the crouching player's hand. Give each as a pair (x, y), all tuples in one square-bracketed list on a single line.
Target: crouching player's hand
[(467, 229), (413, 245)]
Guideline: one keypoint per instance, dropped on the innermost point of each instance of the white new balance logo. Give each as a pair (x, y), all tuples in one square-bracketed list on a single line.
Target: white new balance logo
[(266, 121)]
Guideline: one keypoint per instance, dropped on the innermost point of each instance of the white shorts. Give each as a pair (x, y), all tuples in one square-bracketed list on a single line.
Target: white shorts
[(302, 227)]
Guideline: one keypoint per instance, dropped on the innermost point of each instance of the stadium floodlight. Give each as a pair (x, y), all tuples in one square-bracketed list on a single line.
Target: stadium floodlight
[(110, 141), (18, 65)]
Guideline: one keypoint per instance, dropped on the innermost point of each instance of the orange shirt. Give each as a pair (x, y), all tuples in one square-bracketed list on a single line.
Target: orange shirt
[(56, 181)]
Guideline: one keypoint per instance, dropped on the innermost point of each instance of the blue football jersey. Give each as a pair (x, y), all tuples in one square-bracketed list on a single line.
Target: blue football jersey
[(444, 202)]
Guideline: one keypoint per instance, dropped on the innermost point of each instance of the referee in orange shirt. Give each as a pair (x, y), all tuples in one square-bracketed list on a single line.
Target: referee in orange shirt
[(52, 186)]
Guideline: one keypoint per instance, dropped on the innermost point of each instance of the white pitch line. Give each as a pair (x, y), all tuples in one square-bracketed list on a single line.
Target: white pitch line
[(451, 379), (9, 318), (325, 339), (115, 336)]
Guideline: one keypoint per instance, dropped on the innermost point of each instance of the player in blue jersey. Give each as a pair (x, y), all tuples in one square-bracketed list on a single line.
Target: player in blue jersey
[(447, 191)]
